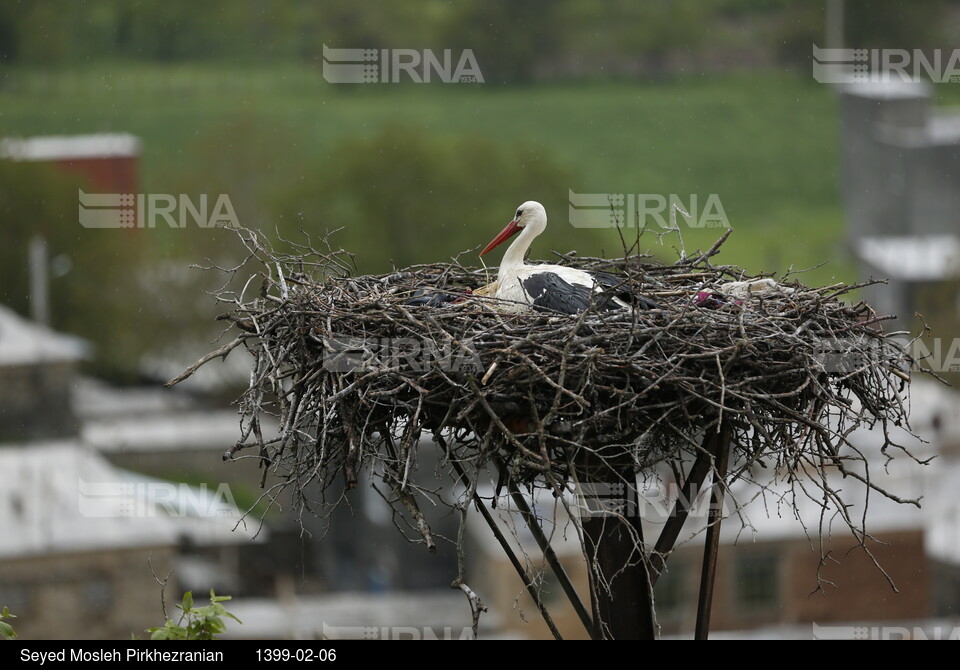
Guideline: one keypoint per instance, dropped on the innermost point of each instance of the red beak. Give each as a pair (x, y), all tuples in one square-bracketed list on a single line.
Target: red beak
[(504, 235)]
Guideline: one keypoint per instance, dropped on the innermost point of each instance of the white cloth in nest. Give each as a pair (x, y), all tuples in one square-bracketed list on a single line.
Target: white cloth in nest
[(754, 288)]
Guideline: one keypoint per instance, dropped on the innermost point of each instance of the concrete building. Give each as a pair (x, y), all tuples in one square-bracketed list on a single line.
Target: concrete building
[(900, 167), (76, 531), (80, 538), (37, 368)]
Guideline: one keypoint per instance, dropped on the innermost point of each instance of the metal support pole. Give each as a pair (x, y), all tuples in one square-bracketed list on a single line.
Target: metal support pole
[(681, 508), (621, 587), (712, 544), (505, 545)]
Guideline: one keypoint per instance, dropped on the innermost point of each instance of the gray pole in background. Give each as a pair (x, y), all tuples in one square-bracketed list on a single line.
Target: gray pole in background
[(39, 280), (834, 11)]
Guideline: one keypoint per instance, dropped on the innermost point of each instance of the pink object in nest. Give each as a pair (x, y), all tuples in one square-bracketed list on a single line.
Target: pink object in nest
[(712, 300)]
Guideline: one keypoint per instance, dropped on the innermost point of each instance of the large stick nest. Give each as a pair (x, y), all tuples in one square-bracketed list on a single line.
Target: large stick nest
[(356, 374)]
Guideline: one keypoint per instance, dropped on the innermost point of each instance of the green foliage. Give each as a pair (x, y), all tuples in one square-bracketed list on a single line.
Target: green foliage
[(182, 30), (623, 31), (892, 24), (877, 24), (195, 623), (513, 41), (513, 38), (934, 319), (9, 33), (765, 143), (6, 630), (94, 271), (404, 196), (245, 157), (801, 25)]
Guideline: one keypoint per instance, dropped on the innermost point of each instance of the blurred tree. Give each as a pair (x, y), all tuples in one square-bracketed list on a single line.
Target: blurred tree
[(405, 197), (58, 31), (748, 7), (801, 25), (891, 24), (46, 32), (246, 158), (514, 42), (9, 32), (172, 30), (93, 270), (874, 24), (935, 319), (627, 35), (663, 26), (374, 25), (509, 39)]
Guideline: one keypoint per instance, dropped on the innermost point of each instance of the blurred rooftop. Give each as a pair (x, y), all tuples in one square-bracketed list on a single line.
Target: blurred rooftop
[(63, 497), (69, 147), (25, 342)]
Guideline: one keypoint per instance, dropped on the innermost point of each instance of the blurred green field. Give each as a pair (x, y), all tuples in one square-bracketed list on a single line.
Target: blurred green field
[(766, 144)]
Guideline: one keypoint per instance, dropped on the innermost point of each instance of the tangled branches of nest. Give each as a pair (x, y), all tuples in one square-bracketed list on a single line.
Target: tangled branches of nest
[(356, 374)]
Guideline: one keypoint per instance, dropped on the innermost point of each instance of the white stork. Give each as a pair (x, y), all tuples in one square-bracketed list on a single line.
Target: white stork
[(552, 287)]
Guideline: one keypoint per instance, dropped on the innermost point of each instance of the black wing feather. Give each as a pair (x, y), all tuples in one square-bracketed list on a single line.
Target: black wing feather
[(431, 298), (617, 284), (548, 290)]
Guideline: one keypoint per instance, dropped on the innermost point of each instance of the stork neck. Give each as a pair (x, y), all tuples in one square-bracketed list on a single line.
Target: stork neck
[(513, 258)]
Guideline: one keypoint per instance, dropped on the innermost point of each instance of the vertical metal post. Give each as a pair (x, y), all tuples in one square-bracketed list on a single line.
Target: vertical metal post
[(621, 587), (39, 280), (712, 544)]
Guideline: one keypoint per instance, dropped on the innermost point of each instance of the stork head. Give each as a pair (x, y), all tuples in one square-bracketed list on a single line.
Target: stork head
[(529, 216)]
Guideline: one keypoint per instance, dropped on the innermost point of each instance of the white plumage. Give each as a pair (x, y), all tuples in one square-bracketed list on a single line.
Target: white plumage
[(554, 287)]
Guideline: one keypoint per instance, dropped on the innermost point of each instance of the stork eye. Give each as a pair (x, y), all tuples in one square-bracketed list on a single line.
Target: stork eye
[(519, 213)]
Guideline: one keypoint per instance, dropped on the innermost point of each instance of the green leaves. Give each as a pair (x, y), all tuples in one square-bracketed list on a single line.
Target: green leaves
[(201, 623), (6, 630)]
